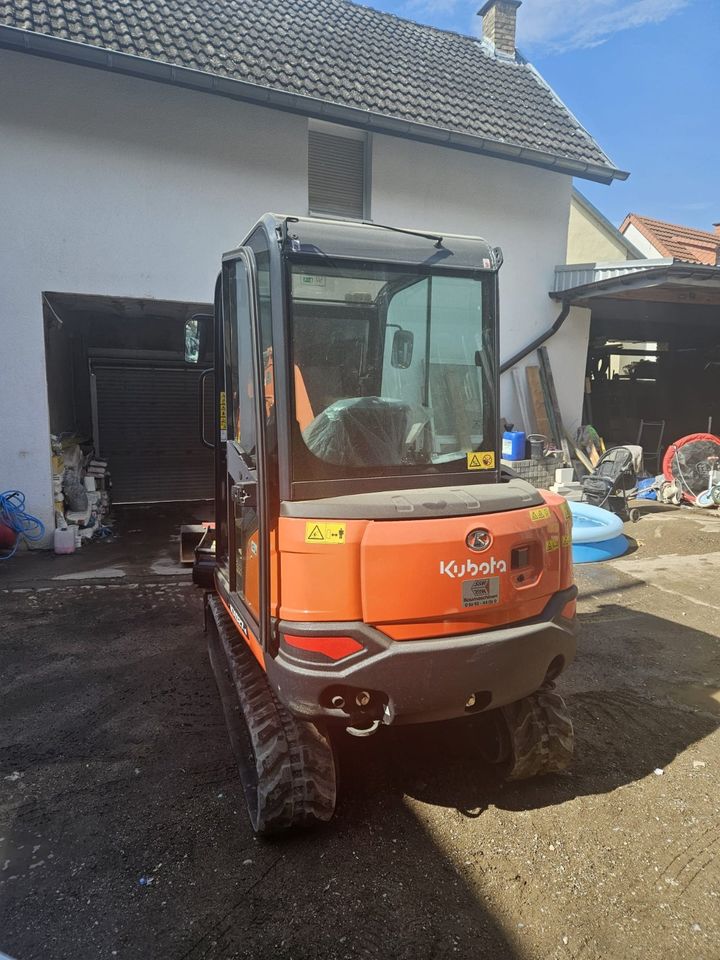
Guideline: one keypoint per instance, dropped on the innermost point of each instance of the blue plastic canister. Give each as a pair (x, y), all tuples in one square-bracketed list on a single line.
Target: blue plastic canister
[(513, 445)]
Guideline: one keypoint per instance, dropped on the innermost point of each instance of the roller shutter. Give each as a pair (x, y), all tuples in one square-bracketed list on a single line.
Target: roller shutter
[(147, 426), (336, 175)]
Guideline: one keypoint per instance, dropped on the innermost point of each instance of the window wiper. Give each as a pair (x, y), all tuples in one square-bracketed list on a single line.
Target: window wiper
[(413, 233)]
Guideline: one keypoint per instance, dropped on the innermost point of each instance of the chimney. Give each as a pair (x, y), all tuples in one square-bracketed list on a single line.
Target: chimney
[(498, 24), (717, 229)]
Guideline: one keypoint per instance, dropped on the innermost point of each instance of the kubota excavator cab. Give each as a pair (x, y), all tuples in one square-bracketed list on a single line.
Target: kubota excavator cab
[(370, 563)]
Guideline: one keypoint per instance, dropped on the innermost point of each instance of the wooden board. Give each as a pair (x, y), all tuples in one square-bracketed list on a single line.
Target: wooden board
[(541, 424), (579, 455), (551, 403)]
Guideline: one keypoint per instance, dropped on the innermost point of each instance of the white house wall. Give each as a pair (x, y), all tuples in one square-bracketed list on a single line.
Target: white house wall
[(116, 186)]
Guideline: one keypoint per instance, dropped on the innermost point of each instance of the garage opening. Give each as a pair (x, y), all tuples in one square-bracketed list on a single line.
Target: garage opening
[(653, 363), (118, 382)]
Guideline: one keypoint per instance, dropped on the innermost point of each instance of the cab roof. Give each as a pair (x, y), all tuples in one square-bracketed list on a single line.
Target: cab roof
[(358, 240)]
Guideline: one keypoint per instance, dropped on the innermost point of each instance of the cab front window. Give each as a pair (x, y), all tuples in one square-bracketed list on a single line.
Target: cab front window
[(393, 369)]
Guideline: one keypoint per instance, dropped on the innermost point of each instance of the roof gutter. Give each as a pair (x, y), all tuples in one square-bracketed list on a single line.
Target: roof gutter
[(83, 54)]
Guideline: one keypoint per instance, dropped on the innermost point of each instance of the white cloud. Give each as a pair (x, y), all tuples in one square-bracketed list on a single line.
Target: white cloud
[(553, 26), (558, 25)]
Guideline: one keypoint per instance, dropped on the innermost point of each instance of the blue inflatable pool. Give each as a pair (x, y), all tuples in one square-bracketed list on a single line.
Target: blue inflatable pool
[(596, 534)]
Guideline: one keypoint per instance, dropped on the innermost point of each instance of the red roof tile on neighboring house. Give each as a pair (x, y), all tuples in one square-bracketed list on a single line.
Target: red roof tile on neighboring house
[(671, 240)]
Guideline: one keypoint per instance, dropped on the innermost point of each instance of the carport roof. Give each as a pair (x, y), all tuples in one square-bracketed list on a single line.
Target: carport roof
[(329, 59), (665, 281)]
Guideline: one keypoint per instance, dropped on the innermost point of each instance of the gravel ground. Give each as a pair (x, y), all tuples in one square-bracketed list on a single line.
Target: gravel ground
[(123, 834)]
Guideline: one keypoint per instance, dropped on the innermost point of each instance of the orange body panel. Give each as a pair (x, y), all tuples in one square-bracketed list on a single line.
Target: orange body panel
[(406, 576), (319, 581), (250, 572)]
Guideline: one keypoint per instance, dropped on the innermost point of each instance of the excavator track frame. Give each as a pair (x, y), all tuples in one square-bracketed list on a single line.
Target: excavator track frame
[(287, 766)]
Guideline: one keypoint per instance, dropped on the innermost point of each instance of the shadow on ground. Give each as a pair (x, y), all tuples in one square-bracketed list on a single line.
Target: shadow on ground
[(122, 822), (622, 734)]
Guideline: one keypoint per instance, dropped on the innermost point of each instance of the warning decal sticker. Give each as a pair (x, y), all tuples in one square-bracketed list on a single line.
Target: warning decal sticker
[(324, 532), (481, 460), (223, 416), (542, 513)]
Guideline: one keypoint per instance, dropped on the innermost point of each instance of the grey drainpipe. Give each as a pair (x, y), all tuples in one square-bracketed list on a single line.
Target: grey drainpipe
[(517, 357)]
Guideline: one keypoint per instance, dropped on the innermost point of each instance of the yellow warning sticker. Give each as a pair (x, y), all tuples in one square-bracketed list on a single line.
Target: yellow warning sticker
[(567, 540), (325, 532), (481, 460), (566, 512), (552, 544), (541, 513), (223, 411)]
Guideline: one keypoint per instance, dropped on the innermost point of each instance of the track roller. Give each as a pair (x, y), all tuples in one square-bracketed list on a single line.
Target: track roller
[(287, 767), (531, 737)]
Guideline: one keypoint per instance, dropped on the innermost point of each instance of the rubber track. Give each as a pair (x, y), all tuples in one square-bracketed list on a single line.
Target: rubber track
[(542, 735), (286, 765)]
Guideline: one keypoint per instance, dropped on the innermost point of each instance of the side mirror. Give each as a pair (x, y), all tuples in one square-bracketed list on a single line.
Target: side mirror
[(195, 328), (402, 349), (192, 340)]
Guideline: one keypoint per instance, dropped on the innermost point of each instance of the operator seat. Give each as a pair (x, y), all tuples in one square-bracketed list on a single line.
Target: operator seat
[(361, 432)]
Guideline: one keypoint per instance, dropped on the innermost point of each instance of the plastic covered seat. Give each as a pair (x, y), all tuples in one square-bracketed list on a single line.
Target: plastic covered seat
[(361, 432)]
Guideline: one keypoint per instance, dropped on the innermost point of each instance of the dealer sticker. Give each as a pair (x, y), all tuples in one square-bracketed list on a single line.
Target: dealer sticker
[(481, 593)]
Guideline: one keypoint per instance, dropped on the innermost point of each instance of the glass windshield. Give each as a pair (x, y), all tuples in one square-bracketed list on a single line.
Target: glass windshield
[(393, 369)]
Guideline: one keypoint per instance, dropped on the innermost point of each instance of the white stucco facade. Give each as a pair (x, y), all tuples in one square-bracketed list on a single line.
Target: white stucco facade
[(115, 186)]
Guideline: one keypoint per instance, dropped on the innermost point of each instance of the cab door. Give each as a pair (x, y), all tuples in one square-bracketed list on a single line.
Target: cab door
[(247, 560)]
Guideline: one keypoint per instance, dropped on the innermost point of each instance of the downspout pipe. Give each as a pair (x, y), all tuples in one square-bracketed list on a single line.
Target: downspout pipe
[(521, 354)]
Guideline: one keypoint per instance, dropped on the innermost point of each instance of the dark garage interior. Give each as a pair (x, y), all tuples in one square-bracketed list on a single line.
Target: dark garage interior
[(671, 373), (118, 380), (653, 356)]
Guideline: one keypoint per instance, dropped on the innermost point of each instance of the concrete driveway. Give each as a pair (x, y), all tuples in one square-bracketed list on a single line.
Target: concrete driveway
[(123, 833)]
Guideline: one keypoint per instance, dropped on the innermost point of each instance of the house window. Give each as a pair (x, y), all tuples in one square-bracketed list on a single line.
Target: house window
[(338, 174)]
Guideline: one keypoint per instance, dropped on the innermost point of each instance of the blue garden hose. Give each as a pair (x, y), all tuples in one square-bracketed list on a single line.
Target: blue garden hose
[(13, 515)]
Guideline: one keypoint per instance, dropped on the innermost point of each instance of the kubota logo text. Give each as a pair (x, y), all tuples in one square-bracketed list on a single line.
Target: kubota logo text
[(468, 568)]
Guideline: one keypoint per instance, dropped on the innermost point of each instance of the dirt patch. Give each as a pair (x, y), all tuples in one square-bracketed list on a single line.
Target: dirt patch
[(124, 835)]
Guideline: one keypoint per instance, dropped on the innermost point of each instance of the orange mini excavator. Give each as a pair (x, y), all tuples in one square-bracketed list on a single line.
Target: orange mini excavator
[(371, 564)]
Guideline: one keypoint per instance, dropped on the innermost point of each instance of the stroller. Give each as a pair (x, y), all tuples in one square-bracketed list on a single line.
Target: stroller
[(614, 481)]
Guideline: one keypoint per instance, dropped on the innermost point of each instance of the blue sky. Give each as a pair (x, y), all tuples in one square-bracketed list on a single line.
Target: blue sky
[(641, 75)]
